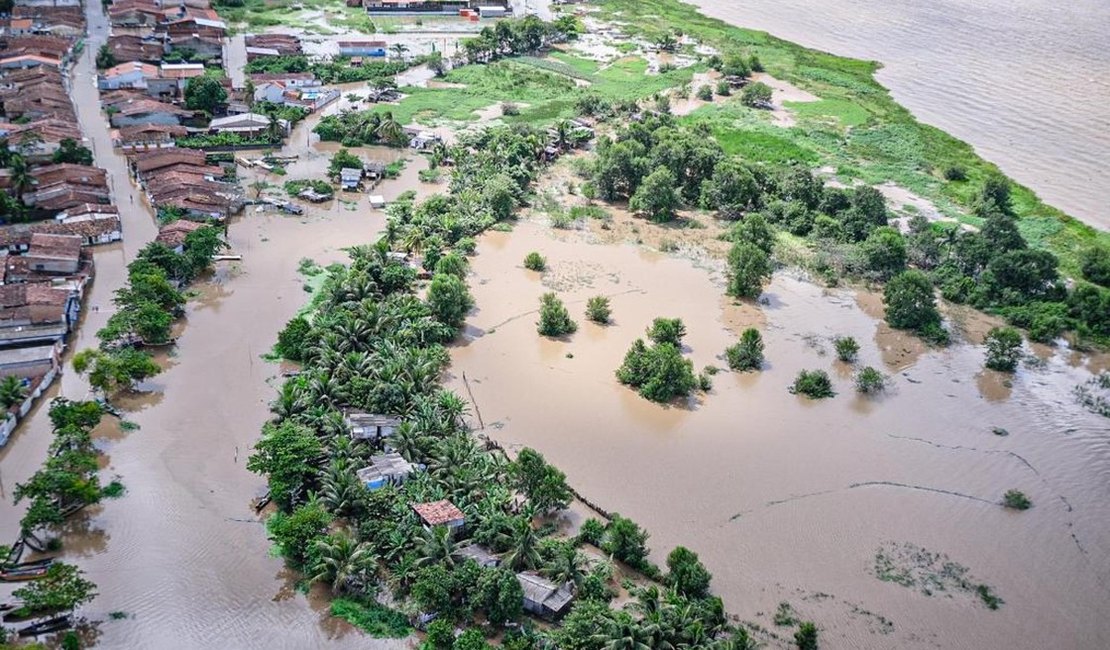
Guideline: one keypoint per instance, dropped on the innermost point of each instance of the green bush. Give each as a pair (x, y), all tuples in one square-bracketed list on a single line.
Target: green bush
[(705, 93), (846, 348), (555, 320), (748, 353), (1003, 349), (814, 384), (806, 636), (667, 330), (598, 310), (535, 262), (1017, 500), (869, 380), (659, 373), (371, 617)]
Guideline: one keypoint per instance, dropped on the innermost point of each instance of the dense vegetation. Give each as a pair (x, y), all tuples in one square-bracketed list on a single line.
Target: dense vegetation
[(145, 310), (372, 344), (659, 371)]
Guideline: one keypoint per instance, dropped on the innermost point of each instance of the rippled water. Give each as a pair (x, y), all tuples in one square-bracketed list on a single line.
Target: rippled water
[(1026, 82)]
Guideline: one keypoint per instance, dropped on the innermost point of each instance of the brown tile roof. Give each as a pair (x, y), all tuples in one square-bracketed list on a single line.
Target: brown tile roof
[(437, 513), (149, 133), (84, 228), (70, 173), (173, 234), (126, 67), (153, 160), (55, 246), (143, 106), (131, 47)]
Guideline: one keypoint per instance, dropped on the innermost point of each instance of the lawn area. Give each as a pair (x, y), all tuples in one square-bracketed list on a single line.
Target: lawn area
[(546, 85), (256, 15), (886, 143)]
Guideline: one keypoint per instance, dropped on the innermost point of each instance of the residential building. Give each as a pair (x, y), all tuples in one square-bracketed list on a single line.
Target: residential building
[(172, 235), (544, 598), (248, 124), (479, 554), (54, 254), (148, 111), (385, 469), (35, 313), (440, 513), (370, 427), (30, 362), (375, 49)]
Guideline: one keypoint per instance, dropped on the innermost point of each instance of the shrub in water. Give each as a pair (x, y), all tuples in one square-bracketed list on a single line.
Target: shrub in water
[(870, 380), (748, 353), (554, 317), (814, 384), (535, 262), (1017, 500), (846, 348), (597, 310), (1003, 349)]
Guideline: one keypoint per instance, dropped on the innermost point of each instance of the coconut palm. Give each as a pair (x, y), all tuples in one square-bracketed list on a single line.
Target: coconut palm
[(626, 635), (566, 567), (340, 490), (343, 563), (399, 50), (435, 546), (521, 541), (21, 179), (391, 131)]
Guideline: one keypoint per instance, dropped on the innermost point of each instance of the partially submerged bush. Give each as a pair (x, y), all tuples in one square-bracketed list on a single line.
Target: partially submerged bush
[(667, 330), (869, 380), (554, 318), (1017, 500), (814, 384), (659, 373), (535, 262), (846, 348), (598, 310), (1003, 349), (748, 353)]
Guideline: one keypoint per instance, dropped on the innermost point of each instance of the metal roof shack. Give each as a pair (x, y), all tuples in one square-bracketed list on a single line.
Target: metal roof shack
[(542, 597), (385, 469), (440, 513), (368, 426)]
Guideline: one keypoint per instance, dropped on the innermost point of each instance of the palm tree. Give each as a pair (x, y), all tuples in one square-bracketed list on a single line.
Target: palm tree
[(567, 567), (340, 490), (521, 540), (21, 178), (391, 131), (562, 134), (435, 547), (274, 129), (12, 391), (399, 50), (626, 635), (343, 563)]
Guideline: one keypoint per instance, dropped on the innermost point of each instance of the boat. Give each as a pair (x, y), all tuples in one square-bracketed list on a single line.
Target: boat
[(20, 575), (46, 627), (44, 562)]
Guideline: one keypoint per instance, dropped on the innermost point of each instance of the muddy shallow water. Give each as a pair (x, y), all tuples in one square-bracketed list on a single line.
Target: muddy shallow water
[(788, 499)]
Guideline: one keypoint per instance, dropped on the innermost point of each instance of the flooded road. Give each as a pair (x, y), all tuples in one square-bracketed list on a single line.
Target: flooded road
[(791, 500), (1023, 81), (182, 554)]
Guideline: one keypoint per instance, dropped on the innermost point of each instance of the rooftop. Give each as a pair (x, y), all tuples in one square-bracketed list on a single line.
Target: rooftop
[(55, 246), (437, 513)]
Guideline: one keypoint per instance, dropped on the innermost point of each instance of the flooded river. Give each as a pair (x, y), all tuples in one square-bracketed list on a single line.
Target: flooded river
[(788, 499), (1024, 81)]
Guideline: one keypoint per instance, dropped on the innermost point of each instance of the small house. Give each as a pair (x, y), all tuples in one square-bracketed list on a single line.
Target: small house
[(251, 124), (544, 598), (350, 179), (367, 426), (440, 513), (424, 140), (385, 469), (374, 169), (59, 254), (480, 554), (377, 201), (30, 362), (492, 11), (173, 234)]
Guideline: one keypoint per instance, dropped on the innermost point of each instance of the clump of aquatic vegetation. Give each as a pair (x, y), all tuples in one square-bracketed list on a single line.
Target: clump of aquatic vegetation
[(930, 573), (535, 262)]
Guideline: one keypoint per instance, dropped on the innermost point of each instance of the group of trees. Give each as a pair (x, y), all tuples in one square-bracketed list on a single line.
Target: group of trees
[(372, 344), (512, 37), (68, 479), (358, 128), (205, 93), (145, 310), (659, 371)]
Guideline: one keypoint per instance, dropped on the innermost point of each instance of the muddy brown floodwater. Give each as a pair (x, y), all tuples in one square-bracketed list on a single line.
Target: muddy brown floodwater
[(788, 499), (181, 553)]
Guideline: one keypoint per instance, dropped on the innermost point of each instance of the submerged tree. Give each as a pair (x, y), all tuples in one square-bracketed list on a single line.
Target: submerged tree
[(1003, 349), (748, 353)]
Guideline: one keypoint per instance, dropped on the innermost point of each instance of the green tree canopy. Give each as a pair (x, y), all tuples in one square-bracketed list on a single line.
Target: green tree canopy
[(204, 93)]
